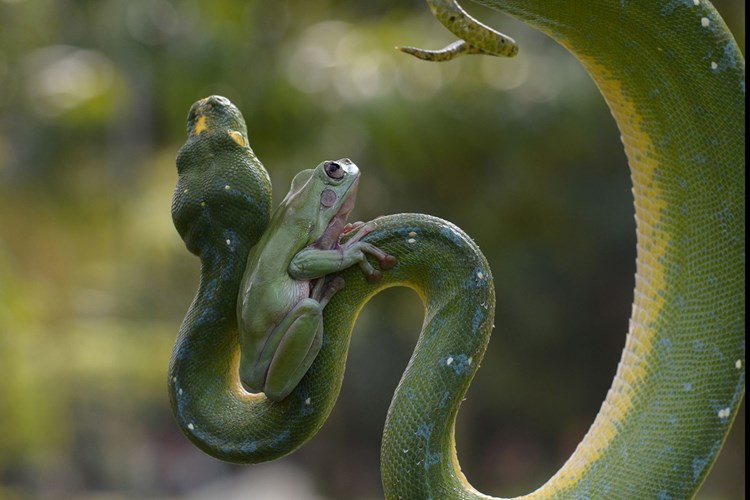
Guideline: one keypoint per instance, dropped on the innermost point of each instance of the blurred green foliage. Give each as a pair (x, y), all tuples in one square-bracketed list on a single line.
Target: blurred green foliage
[(94, 280)]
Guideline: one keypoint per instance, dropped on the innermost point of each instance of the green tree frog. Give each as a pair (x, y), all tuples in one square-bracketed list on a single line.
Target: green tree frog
[(284, 288)]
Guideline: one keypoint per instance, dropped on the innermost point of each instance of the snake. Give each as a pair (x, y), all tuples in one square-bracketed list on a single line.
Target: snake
[(674, 80)]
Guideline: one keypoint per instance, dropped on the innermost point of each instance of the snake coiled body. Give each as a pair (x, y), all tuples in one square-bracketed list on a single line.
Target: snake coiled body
[(674, 80)]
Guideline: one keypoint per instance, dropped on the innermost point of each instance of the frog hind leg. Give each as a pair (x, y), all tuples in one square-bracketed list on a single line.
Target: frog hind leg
[(296, 350), (301, 340)]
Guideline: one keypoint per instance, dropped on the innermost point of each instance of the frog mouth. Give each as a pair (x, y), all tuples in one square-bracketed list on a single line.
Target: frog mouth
[(330, 237)]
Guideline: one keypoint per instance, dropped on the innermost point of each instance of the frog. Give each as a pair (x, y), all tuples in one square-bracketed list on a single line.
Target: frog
[(286, 283)]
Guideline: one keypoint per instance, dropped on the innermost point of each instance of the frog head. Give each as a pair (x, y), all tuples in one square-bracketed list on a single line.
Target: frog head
[(325, 196)]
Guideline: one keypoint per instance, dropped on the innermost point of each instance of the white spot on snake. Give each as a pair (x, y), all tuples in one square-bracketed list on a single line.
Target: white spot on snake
[(180, 391), (480, 275), (411, 240), (705, 22), (174, 380), (449, 361), (412, 234), (714, 65), (738, 364), (308, 401), (725, 413), (203, 203), (226, 187), (185, 190), (229, 242), (696, 2), (470, 360), (191, 426)]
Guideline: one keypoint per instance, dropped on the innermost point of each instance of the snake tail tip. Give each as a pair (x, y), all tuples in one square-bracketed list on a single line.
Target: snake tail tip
[(424, 55)]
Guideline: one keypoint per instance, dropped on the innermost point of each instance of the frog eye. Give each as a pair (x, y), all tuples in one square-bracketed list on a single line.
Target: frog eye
[(334, 170)]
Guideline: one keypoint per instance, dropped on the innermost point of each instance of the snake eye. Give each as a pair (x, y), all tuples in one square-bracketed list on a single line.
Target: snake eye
[(334, 170)]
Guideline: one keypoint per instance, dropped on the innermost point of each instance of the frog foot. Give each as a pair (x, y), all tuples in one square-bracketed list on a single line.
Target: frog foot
[(324, 291), (385, 261)]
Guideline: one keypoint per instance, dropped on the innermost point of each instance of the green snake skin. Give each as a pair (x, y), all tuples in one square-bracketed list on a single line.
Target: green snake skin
[(675, 82), (474, 37)]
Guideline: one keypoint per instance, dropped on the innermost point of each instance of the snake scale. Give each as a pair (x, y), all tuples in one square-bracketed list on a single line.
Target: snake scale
[(674, 80)]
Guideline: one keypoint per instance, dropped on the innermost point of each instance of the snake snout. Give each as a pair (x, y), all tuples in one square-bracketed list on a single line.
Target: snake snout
[(216, 100)]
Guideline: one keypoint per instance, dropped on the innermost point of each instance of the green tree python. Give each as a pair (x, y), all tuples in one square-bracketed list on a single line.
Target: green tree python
[(674, 80)]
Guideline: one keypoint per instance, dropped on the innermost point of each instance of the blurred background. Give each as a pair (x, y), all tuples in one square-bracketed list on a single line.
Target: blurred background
[(94, 280)]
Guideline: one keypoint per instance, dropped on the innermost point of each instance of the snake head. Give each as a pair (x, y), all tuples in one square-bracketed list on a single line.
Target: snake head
[(223, 191), (214, 114)]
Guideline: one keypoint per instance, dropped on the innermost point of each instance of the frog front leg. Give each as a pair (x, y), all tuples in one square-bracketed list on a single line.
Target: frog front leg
[(312, 262)]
